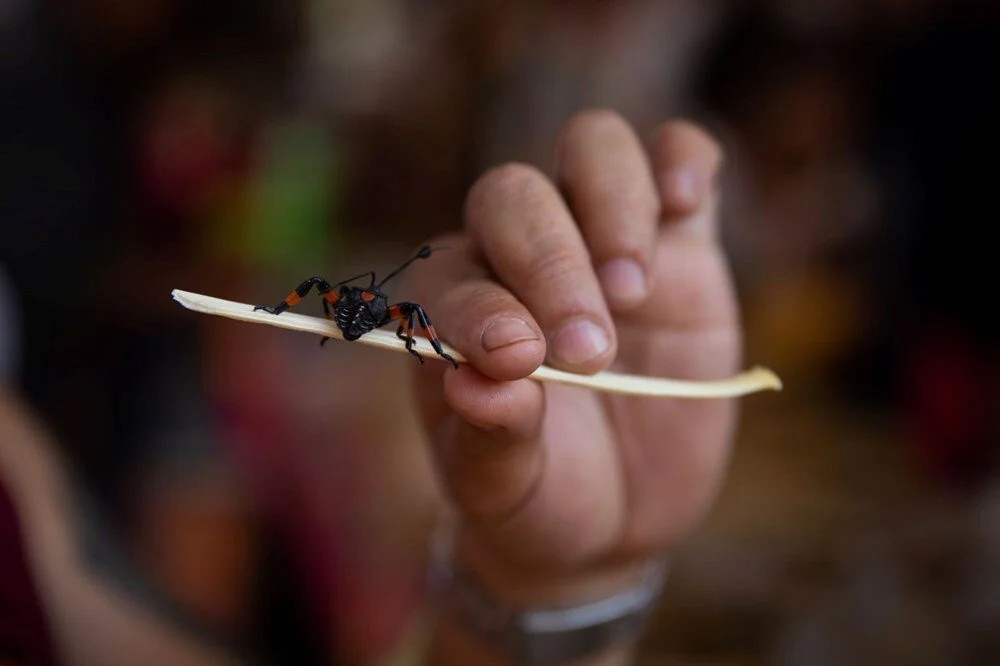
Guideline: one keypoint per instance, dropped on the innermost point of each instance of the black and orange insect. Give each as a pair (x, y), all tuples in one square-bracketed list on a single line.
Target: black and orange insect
[(358, 310)]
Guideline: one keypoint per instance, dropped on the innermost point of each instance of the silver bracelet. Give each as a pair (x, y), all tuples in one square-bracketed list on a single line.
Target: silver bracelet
[(536, 635)]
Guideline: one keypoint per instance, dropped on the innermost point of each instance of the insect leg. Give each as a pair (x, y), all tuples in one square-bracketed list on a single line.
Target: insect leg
[(297, 294), (425, 323), (328, 315), (410, 343), (407, 311)]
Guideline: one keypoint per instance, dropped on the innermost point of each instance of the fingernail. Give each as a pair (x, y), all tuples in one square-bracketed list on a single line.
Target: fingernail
[(579, 341), (623, 280), (506, 331), (681, 187)]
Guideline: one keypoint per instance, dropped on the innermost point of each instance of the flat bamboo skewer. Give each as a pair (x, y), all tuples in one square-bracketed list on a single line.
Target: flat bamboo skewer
[(753, 380)]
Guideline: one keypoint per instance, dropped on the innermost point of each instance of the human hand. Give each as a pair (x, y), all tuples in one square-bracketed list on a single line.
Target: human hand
[(615, 264)]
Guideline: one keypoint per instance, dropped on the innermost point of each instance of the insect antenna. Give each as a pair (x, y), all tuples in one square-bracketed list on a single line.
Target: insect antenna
[(422, 253)]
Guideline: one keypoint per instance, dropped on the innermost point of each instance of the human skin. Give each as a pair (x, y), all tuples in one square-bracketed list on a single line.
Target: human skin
[(563, 494)]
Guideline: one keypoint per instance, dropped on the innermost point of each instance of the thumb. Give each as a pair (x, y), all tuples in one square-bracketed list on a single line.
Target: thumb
[(485, 440)]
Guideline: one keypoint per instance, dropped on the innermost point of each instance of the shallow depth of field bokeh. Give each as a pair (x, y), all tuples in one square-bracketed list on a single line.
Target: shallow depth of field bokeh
[(276, 496)]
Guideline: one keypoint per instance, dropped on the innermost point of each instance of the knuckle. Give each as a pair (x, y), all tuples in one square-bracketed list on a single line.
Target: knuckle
[(685, 128), (690, 133), (634, 206), (597, 121), (467, 307), (504, 185), (553, 262), (511, 176), (474, 300)]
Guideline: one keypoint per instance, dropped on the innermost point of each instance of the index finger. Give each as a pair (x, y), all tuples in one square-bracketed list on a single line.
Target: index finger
[(521, 223)]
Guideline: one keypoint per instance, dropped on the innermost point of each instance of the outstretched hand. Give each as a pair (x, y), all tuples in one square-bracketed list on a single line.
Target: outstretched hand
[(613, 262)]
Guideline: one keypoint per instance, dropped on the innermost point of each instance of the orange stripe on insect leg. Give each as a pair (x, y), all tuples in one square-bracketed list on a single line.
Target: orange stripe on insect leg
[(292, 299), (331, 296), (431, 333), (395, 313)]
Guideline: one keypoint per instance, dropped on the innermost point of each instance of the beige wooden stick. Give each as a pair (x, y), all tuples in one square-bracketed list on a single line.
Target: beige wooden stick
[(751, 381)]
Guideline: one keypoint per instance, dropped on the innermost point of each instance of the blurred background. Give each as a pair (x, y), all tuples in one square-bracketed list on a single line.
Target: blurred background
[(246, 481)]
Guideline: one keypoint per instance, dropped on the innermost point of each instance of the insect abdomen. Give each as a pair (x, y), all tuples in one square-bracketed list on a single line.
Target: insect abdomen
[(355, 320)]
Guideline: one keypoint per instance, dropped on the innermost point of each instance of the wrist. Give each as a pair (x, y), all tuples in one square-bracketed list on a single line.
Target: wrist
[(520, 583), (504, 612)]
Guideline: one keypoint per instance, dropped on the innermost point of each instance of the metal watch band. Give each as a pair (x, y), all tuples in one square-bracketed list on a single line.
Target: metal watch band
[(545, 634)]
